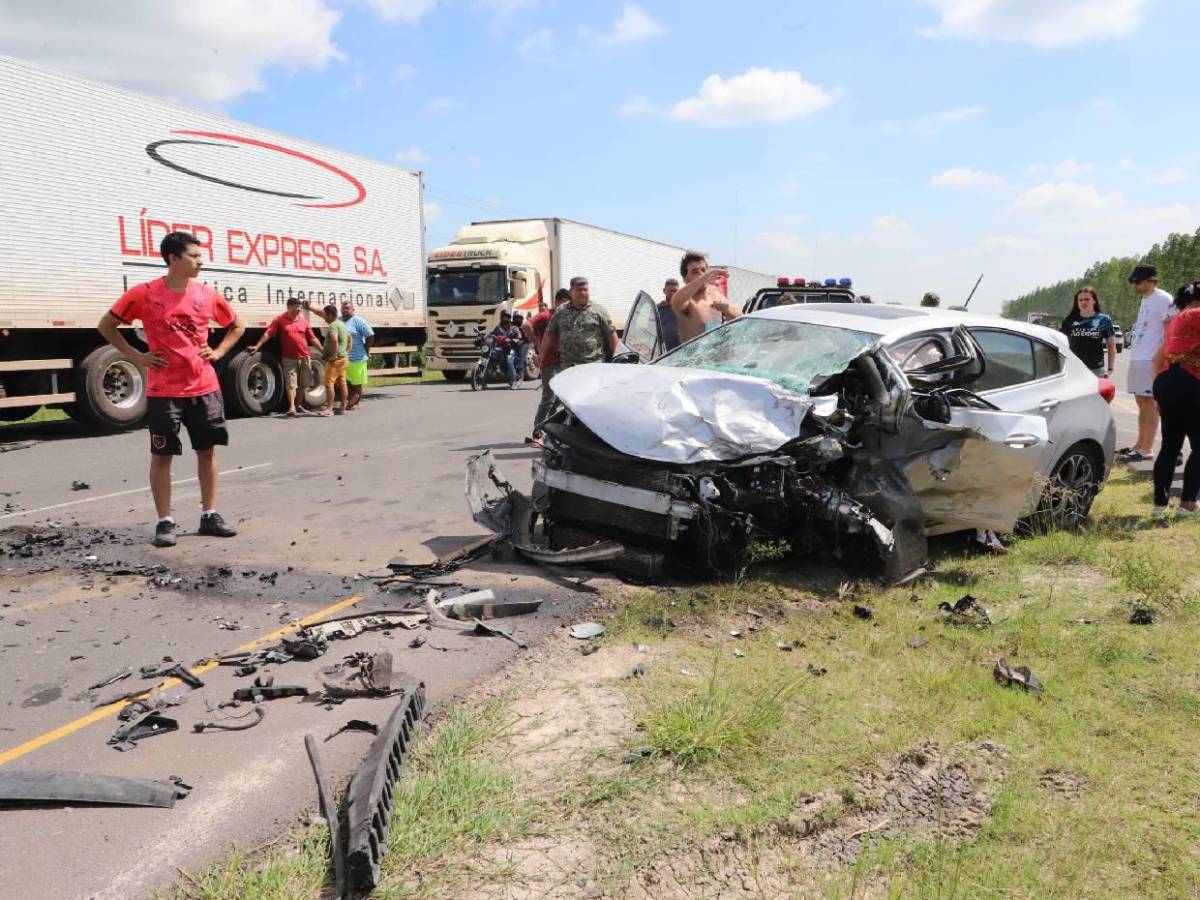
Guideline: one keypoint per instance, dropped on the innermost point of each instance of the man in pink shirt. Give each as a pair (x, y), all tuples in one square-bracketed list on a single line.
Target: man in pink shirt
[(295, 337), (181, 383)]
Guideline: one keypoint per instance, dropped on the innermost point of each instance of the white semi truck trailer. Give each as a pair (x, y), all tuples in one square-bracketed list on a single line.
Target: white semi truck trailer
[(93, 177), (515, 264)]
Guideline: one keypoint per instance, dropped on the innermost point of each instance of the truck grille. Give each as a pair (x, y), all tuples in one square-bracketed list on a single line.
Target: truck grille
[(450, 329)]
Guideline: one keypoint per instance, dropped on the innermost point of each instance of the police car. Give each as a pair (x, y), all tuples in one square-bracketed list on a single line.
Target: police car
[(800, 290)]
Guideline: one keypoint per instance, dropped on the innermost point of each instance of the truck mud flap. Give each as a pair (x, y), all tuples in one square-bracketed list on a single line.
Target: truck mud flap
[(369, 806)]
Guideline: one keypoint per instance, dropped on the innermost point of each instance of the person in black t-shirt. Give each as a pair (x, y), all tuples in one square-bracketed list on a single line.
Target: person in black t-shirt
[(1090, 333)]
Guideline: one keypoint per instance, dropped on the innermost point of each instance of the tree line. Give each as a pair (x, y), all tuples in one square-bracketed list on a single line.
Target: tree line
[(1178, 262)]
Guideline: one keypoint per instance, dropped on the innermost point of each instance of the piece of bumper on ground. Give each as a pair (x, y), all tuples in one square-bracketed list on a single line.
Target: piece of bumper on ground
[(44, 787)]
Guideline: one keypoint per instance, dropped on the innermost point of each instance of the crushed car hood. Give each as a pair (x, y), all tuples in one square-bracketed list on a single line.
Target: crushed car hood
[(683, 416)]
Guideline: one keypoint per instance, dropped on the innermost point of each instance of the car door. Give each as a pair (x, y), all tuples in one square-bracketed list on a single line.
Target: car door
[(982, 473), (1025, 375), (643, 330)]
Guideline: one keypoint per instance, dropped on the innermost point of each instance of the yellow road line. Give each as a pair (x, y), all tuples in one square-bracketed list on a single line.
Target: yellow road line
[(104, 712)]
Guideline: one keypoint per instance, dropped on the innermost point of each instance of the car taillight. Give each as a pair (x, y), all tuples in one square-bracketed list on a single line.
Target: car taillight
[(1108, 390)]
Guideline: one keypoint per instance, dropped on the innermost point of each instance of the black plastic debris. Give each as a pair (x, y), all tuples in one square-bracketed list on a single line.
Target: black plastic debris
[(111, 679), (369, 797), (330, 812), (150, 725), (257, 694), (863, 612), (372, 675), (31, 786), (967, 610), (78, 485), (1142, 615), (242, 671), (418, 641), (1016, 676), (486, 630), (354, 725), (233, 723)]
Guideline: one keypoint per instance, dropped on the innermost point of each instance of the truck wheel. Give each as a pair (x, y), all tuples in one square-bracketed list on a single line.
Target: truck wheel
[(312, 396), (110, 389), (454, 375), (253, 383)]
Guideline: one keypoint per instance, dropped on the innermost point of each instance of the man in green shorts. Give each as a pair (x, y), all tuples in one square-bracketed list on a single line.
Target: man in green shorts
[(361, 336)]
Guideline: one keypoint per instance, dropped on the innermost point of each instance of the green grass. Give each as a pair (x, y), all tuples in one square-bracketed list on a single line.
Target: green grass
[(293, 873)]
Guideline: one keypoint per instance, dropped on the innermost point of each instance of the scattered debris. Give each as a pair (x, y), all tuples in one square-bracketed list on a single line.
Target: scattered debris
[(19, 786), (1142, 615), (242, 671), (751, 611), (352, 626), (917, 642), (464, 608), (330, 812), (817, 671), (785, 646), (989, 541), (586, 631), (369, 797), (152, 724), (446, 564), (735, 632), (589, 649), (1019, 676), (482, 628), (1087, 621), (111, 679), (78, 485), (639, 670), (373, 676), (258, 712), (355, 725), (966, 611), (641, 648), (417, 642), (259, 693), (740, 654), (863, 612)]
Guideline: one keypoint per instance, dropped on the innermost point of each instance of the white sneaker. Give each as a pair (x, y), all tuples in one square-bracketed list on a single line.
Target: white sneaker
[(1160, 512)]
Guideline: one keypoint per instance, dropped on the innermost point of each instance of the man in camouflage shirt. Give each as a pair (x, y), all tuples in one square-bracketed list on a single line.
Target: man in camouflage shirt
[(580, 332)]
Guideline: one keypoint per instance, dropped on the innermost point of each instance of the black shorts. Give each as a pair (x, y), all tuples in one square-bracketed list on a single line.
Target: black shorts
[(203, 416)]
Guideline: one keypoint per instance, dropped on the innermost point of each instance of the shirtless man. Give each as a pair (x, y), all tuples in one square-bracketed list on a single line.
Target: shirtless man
[(700, 307)]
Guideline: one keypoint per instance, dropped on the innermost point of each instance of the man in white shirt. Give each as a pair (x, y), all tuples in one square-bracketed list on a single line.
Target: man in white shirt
[(1155, 309)]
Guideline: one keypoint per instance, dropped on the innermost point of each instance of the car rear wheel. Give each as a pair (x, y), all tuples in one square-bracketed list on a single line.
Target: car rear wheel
[(1067, 499), (253, 383)]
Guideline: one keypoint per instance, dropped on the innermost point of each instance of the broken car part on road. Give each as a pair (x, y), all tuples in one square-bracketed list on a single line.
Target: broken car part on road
[(1016, 676), (369, 797), (329, 811), (30, 786), (836, 440), (233, 723), (152, 724)]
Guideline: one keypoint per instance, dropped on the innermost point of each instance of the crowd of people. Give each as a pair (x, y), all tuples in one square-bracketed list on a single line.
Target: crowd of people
[(183, 390)]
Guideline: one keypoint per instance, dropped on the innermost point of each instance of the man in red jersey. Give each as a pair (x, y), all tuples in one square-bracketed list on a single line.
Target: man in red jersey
[(182, 387), (295, 337)]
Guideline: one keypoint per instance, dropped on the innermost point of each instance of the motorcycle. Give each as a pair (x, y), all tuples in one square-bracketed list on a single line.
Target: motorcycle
[(494, 351)]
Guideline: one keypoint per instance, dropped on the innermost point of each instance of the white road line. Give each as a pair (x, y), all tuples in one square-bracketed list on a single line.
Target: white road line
[(30, 512)]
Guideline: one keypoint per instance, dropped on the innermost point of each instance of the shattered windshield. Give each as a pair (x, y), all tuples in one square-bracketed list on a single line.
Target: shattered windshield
[(792, 354)]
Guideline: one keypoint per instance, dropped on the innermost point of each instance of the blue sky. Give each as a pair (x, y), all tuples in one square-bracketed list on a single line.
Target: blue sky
[(911, 144)]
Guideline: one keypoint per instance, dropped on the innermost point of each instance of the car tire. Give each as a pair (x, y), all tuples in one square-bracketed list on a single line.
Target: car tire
[(252, 383), (110, 389), (454, 375), (1067, 500)]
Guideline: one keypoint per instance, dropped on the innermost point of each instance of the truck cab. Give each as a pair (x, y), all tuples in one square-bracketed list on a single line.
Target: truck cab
[(802, 290), (487, 269)]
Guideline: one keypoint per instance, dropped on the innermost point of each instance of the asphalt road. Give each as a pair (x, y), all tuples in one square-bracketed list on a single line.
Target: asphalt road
[(317, 502)]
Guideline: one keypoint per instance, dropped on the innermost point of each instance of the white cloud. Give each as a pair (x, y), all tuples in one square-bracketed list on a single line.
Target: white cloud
[(211, 53), (433, 211), (792, 220), (506, 7), (633, 25), (1125, 164), (441, 104), (964, 179), (413, 156), (1170, 175), (635, 106), (784, 242), (757, 95), (1068, 168), (1064, 196), (890, 231), (403, 72), (406, 11), (539, 43), (1006, 245), (934, 125), (1043, 23)]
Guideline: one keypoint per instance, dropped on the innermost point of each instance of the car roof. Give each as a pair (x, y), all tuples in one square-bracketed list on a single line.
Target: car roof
[(889, 321)]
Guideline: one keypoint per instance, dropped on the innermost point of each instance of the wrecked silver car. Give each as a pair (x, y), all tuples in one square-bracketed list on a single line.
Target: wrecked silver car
[(850, 432)]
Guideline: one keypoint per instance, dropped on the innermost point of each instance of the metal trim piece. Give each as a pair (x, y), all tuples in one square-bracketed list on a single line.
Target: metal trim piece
[(611, 492), (371, 791), (330, 811)]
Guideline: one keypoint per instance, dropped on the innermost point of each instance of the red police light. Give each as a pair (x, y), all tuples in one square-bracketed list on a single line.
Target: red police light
[(799, 282), (781, 282)]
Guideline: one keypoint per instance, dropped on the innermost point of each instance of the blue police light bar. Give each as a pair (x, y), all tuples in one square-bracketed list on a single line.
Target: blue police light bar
[(830, 282), (845, 282)]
